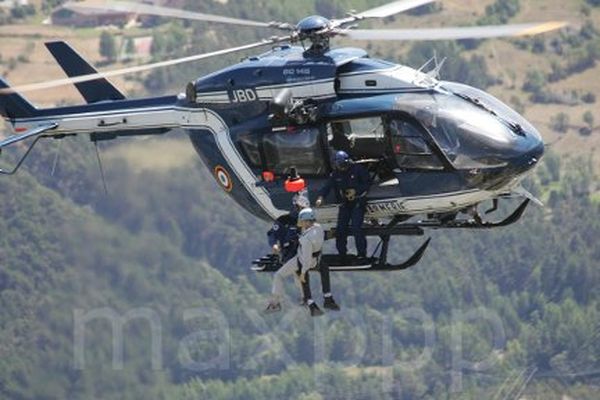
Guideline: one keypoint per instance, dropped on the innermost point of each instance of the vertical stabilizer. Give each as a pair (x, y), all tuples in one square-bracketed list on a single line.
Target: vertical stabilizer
[(74, 65)]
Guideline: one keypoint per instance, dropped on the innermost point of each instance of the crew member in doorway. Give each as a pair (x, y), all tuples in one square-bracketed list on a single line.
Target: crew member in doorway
[(351, 182)]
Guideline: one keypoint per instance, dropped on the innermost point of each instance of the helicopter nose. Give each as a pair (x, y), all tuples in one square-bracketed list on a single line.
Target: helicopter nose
[(523, 161), (531, 152)]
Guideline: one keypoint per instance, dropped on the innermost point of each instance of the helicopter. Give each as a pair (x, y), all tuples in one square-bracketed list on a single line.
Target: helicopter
[(268, 126)]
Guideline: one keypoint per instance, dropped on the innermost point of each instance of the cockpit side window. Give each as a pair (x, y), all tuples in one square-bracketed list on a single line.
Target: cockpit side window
[(362, 138), (410, 148)]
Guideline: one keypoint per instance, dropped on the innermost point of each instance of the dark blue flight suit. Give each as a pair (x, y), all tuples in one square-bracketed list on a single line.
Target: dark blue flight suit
[(351, 211), (286, 233)]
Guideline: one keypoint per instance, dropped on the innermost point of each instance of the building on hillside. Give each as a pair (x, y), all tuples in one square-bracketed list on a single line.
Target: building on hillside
[(82, 17)]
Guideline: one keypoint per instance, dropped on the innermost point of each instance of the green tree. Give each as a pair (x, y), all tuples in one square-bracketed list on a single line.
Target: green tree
[(108, 46), (553, 163), (129, 48), (22, 11), (588, 118), (500, 12)]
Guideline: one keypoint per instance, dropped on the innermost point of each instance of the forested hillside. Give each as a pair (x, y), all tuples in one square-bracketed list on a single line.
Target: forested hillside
[(501, 314)]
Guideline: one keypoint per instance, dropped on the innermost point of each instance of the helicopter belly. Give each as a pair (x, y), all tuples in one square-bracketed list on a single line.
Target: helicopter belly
[(444, 202)]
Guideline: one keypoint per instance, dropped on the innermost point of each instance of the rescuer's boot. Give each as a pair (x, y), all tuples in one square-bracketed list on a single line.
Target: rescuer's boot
[(315, 311), (330, 304)]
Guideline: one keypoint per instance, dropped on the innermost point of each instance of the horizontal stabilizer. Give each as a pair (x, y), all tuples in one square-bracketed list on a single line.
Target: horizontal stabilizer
[(37, 133), (13, 105), (26, 135), (74, 65)]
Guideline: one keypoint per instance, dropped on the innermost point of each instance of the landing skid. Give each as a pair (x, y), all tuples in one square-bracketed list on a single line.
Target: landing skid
[(271, 263), (478, 224), (378, 261), (353, 263)]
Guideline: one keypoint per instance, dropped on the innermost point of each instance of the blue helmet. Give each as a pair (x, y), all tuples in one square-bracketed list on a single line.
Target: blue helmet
[(307, 214), (342, 159)]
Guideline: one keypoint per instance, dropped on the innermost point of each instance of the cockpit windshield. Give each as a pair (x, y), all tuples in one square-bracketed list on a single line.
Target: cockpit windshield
[(470, 136), (473, 129), (497, 107)]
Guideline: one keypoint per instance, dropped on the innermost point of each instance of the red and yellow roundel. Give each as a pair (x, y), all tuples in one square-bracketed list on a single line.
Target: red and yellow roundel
[(223, 178)]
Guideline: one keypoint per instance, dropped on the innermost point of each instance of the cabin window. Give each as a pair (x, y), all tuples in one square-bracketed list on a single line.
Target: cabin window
[(361, 138), (410, 149), (250, 146), (300, 147)]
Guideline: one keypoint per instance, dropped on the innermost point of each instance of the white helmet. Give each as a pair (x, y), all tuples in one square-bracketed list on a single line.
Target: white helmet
[(307, 215)]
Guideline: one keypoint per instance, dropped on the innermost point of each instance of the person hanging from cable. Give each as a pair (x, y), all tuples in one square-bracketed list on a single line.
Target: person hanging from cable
[(300, 201), (351, 182), (308, 257), (283, 239)]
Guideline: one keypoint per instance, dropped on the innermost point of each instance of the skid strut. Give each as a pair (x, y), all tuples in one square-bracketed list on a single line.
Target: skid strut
[(378, 262)]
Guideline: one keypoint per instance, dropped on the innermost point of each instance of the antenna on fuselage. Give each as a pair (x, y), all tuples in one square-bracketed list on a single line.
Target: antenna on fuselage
[(426, 64), (101, 168), (56, 158), (435, 73)]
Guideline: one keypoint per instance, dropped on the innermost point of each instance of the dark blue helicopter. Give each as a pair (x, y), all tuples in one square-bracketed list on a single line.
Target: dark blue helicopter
[(269, 125)]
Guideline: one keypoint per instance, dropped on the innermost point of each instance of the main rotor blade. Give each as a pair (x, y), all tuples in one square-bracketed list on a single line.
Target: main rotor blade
[(148, 9), (471, 32), (138, 68), (393, 8), (381, 12)]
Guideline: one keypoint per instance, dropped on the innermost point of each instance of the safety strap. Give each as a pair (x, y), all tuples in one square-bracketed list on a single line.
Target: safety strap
[(317, 255)]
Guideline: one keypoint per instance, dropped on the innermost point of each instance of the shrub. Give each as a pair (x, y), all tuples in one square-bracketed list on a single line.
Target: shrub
[(588, 118), (534, 82), (589, 98), (539, 45), (560, 122)]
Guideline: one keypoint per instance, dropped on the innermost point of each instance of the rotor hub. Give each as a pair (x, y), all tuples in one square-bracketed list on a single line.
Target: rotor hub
[(313, 24), (316, 29)]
